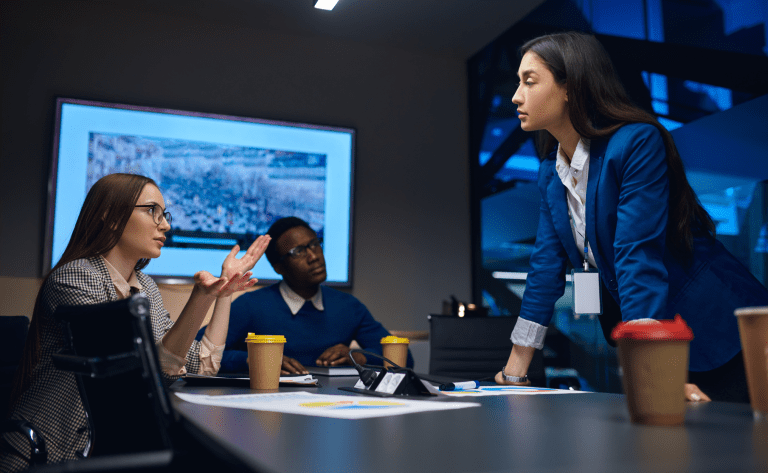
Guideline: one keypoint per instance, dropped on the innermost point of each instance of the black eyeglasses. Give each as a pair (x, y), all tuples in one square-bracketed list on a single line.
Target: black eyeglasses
[(301, 250), (157, 213)]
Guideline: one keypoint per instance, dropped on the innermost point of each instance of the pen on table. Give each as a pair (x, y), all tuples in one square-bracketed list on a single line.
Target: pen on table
[(460, 386)]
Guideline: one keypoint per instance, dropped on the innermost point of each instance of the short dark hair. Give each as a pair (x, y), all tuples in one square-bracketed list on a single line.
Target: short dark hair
[(276, 230)]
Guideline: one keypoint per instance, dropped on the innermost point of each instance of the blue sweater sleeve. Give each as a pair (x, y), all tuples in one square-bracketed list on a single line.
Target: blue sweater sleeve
[(235, 352), (370, 332), (232, 360)]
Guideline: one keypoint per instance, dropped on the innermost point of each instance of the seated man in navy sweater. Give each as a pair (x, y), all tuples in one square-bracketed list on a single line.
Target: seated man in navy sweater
[(318, 322)]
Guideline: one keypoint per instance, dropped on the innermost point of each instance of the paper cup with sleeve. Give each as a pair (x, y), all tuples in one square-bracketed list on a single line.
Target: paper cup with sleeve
[(265, 357), (654, 358), (396, 349), (753, 329)]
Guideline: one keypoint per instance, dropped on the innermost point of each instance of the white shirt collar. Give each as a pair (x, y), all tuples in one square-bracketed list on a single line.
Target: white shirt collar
[(575, 177), (580, 156), (296, 302), (122, 287)]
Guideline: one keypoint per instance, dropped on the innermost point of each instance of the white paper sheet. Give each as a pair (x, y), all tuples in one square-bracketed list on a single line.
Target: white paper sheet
[(507, 390), (324, 405), (332, 370), (291, 379)]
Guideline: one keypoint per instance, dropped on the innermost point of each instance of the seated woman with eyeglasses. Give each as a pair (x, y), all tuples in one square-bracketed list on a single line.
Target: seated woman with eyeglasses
[(121, 225)]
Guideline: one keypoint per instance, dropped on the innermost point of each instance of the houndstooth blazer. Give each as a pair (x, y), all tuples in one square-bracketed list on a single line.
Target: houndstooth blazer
[(52, 402)]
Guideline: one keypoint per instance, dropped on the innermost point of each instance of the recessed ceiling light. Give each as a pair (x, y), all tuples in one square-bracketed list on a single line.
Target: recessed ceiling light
[(326, 4)]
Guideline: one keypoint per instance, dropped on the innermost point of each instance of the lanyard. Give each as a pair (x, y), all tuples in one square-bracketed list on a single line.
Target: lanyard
[(586, 243)]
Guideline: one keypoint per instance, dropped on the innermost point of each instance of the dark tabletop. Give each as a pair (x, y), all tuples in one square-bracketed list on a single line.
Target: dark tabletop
[(588, 432)]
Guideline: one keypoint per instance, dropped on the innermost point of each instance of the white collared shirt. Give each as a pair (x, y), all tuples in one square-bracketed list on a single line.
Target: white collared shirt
[(574, 177), (122, 287), (296, 302)]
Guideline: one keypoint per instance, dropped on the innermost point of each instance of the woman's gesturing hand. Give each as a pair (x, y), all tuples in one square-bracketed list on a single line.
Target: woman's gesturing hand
[(235, 272), (233, 265)]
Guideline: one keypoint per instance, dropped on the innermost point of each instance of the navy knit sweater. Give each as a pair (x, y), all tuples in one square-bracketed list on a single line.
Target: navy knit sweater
[(308, 333)]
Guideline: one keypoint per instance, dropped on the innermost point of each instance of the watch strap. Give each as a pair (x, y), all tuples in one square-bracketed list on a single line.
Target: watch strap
[(513, 379)]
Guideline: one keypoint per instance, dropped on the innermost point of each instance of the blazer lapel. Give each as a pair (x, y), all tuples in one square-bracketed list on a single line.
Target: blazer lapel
[(596, 152), (109, 286), (558, 205)]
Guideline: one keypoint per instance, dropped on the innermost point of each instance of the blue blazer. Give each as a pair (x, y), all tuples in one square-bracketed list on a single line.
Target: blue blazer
[(626, 221)]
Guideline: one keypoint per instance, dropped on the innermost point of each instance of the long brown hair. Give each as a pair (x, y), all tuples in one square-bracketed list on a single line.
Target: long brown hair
[(102, 220), (598, 105)]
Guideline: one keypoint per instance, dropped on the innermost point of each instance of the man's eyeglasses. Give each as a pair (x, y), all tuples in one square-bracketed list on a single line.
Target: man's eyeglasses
[(301, 250), (157, 213)]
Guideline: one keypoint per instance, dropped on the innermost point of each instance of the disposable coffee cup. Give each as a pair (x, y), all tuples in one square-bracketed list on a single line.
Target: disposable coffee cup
[(753, 329), (654, 359), (265, 357), (396, 349)]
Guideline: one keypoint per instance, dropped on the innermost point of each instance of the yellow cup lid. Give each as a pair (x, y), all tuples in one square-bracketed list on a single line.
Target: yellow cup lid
[(253, 338), (393, 339)]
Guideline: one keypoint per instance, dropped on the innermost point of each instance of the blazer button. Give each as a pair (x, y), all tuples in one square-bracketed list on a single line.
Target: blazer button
[(612, 285)]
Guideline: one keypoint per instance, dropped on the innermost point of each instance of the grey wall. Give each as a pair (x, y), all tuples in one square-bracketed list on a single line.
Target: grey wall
[(411, 198)]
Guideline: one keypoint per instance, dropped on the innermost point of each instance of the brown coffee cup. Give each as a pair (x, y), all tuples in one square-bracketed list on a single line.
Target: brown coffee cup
[(654, 359), (265, 357), (753, 329), (396, 349)]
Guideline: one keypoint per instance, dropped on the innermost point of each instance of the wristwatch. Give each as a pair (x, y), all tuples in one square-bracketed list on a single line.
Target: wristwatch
[(514, 379)]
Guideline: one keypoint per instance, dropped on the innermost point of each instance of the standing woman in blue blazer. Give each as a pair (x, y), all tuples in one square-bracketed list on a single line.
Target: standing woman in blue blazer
[(611, 175)]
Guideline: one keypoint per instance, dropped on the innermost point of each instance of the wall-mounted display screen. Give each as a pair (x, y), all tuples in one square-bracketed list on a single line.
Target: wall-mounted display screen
[(224, 179)]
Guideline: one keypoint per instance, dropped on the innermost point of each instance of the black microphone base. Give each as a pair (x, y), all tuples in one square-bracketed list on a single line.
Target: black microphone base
[(380, 394)]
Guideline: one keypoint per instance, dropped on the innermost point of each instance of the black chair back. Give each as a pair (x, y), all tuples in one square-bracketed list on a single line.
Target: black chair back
[(112, 352), (473, 348), (13, 334)]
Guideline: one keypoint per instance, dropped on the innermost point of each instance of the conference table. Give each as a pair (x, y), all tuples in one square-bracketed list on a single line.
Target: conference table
[(584, 432)]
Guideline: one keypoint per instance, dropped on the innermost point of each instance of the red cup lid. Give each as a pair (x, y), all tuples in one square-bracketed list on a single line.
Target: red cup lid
[(675, 329)]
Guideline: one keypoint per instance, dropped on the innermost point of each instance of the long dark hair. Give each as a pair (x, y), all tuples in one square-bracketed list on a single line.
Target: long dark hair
[(102, 220), (598, 105)]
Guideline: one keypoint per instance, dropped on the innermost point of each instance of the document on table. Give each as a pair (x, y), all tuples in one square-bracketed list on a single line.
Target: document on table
[(204, 380), (332, 370), (324, 405), (299, 379), (507, 390)]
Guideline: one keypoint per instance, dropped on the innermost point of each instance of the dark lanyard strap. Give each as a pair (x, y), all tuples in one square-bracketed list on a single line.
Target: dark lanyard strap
[(586, 243)]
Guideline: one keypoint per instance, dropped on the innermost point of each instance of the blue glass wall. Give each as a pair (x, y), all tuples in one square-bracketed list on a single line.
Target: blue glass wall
[(682, 60)]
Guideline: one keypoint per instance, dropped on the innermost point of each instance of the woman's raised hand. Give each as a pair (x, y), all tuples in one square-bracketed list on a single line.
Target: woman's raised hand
[(235, 272), (236, 266)]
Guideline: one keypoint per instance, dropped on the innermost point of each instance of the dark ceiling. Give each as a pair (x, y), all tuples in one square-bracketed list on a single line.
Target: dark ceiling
[(455, 28)]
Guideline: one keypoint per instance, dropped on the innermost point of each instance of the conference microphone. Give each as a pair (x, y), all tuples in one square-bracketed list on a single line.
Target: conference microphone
[(367, 375), (393, 381)]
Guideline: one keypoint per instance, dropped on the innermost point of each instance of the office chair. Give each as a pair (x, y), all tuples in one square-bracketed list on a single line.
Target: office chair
[(132, 425), (13, 334), (473, 348), (111, 350)]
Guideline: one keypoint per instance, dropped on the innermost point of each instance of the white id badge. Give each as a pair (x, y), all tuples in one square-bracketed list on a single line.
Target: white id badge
[(586, 292)]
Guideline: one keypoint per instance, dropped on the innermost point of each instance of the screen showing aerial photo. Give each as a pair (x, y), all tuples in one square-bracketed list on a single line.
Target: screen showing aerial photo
[(218, 194), (224, 180)]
